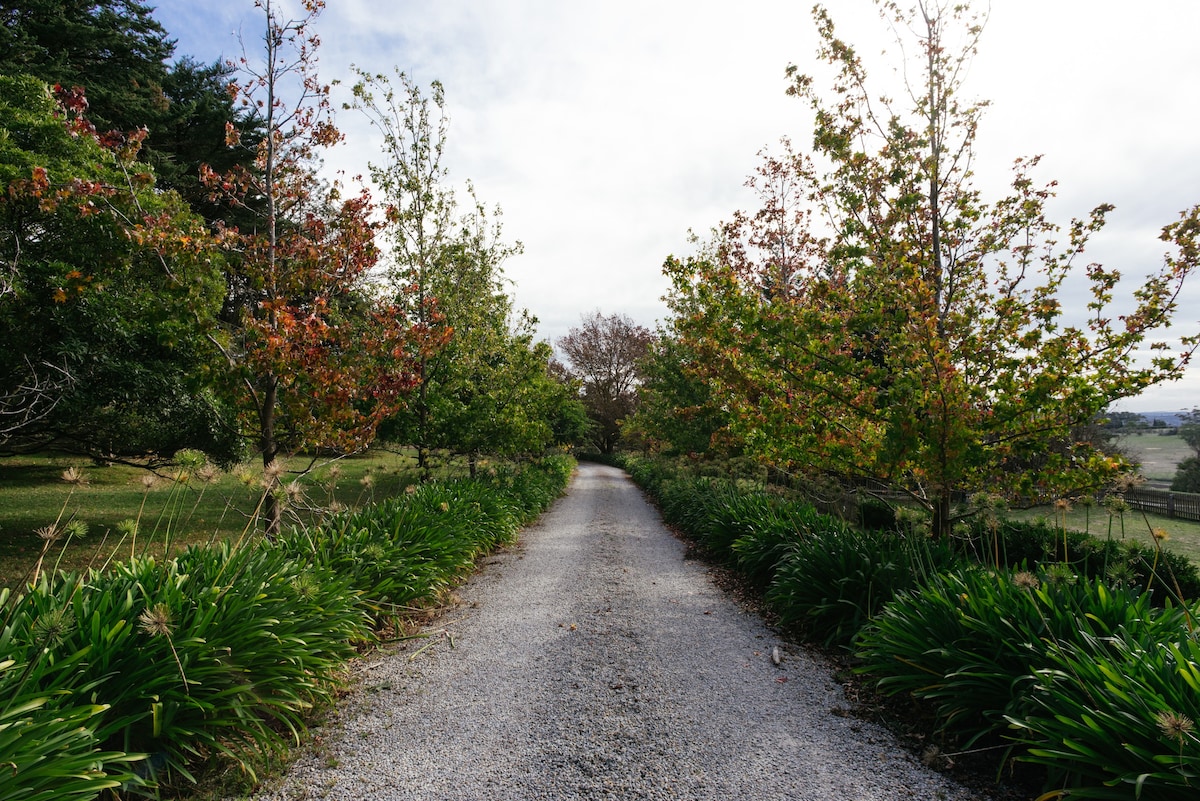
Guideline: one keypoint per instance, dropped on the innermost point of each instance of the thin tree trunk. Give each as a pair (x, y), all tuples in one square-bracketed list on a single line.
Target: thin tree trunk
[(272, 513)]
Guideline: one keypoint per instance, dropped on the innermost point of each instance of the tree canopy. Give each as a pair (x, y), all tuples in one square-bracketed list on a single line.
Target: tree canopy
[(106, 290), (315, 359), (880, 320), (604, 355), (483, 385)]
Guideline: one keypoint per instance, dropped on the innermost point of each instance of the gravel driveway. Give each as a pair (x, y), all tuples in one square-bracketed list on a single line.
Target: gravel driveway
[(594, 661)]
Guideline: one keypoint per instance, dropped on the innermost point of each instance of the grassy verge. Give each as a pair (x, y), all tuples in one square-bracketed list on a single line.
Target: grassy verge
[(172, 508), (146, 675), (1159, 454), (1182, 536)]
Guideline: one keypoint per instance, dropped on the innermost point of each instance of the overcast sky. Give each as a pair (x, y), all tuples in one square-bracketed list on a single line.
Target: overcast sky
[(607, 130)]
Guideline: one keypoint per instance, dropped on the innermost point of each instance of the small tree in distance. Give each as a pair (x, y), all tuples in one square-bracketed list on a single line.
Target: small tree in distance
[(604, 355)]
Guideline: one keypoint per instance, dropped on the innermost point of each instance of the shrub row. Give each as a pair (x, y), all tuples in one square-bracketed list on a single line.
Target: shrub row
[(1091, 681), (126, 678), (1088, 667)]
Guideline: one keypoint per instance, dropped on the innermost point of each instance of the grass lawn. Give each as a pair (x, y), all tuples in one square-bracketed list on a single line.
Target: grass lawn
[(1159, 454), (1183, 536), (171, 510)]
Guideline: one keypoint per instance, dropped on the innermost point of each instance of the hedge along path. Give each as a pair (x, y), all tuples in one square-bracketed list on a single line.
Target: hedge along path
[(593, 660)]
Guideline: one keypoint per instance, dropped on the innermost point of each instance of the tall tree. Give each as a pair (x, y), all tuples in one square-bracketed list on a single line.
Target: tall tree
[(605, 354), (107, 286), (421, 225), (118, 54), (316, 359), (676, 410), (191, 132), (485, 388), (113, 49), (911, 333)]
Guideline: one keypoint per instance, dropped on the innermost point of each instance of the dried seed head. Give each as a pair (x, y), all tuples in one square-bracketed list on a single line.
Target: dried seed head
[(208, 473), (1160, 534), (334, 472), (1116, 505), (149, 480), (156, 620), (295, 492), (1025, 580), (274, 470), (75, 476), (1174, 725), (49, 533), (1128, 481), (367, 481), (1062, 505)]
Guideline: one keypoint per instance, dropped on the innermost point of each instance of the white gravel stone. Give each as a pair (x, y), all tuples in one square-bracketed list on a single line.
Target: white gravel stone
[(593, 661)]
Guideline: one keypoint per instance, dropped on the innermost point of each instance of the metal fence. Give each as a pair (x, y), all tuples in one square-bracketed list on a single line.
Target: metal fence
[(1183, 505)]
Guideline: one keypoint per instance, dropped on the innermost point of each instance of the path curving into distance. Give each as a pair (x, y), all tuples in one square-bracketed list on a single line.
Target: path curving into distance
[(593, 661)]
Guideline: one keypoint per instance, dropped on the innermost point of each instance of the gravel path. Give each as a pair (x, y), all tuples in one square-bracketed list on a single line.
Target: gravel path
[(593, 661)]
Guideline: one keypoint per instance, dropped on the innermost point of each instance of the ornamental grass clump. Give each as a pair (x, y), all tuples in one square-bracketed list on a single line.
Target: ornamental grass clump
[(970, 641), (1113, 717), (775, 535), (833, 581), (533, 487), (404, 551), (216, 652), (49, 748)]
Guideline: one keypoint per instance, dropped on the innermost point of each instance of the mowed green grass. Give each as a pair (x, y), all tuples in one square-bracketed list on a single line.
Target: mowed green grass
[(1183, 536), (172, 510), (1159, 454)]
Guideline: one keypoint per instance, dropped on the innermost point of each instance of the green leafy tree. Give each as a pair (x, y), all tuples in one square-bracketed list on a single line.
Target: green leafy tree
[(315, 359), (1189, 429), (119, 55), (880, 321), (676, 409), (113, 49), (191, 133), (421, 225), (1187, 475), (604, 355), (107, 286), (484, 387), (488, 389)]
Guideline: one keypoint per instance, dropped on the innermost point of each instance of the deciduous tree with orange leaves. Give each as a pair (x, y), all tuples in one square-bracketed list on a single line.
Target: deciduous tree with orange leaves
[(317, 359), (881, 321)]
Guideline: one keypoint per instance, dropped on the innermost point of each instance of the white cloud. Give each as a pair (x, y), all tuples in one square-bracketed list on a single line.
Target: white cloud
[(607, 130)]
